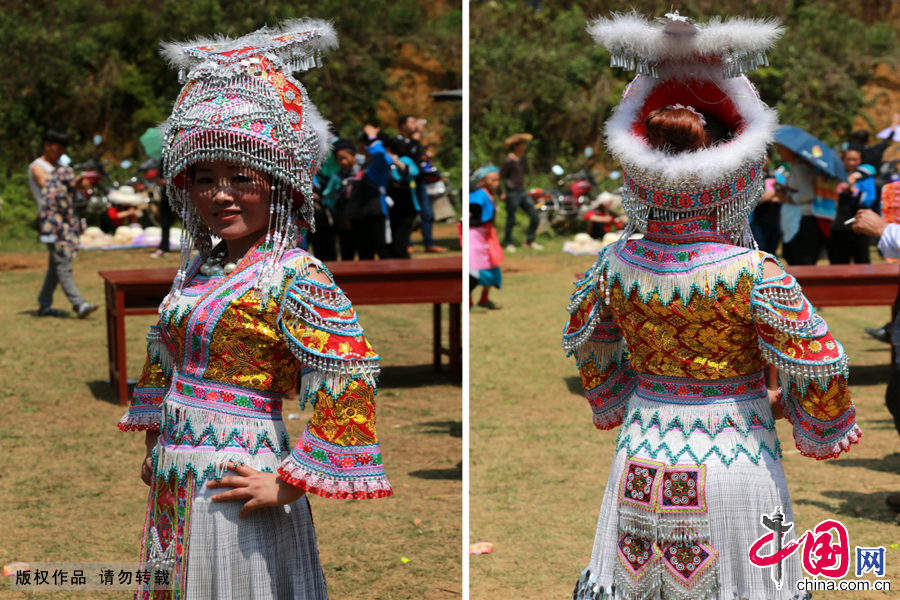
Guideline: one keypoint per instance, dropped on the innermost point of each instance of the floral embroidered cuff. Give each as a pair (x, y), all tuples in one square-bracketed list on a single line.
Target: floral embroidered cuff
[(333, 471), (831, 427), (608, 391), (145, 410)]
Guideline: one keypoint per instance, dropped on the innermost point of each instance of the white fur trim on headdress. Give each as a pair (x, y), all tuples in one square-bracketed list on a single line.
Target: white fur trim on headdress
[(681, 62), (635, 40), (179, 55), (760, 123)]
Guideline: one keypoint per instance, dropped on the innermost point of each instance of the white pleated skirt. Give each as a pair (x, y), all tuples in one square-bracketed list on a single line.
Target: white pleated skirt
[(737, 496), (271, 554), (744, 480)]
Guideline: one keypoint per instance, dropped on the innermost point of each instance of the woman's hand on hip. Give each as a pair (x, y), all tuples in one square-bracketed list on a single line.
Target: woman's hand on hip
[(257, 488)]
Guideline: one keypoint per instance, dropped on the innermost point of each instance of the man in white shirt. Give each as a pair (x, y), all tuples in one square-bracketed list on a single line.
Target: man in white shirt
[(55, 144), (59, 270), (867, 222)]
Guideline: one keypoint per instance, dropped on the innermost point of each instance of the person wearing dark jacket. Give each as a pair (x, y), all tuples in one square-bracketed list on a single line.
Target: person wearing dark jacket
[(404, 206), (336, 191), (874, 154), (867, 222), (512, 176), (411, 135), (366, 206)]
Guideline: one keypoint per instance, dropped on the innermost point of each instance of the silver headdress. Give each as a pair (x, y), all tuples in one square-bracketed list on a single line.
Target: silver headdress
[(240, 103), (679, 61)]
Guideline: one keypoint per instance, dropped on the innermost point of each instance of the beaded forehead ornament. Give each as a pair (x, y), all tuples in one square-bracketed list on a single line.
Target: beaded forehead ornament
[(680, 62), (241, 104)]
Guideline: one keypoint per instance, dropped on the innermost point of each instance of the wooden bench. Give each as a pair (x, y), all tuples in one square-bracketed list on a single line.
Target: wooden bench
[(848, 285), (416, 281)]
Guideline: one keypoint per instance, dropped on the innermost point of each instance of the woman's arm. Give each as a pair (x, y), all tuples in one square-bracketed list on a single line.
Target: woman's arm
[(812, 366), (147, 467), (145, 409), (338, 455), (595, 340)]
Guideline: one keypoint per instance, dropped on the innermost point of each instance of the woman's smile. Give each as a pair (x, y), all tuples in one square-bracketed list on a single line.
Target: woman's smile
[(233, 200)]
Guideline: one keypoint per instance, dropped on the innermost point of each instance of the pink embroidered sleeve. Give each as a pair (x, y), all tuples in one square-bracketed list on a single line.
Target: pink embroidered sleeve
[(602, 358), (812, 368), (338, 455), (151, 388)]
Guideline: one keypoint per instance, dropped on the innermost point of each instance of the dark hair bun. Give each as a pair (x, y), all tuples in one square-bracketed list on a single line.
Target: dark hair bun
[(676, 130)]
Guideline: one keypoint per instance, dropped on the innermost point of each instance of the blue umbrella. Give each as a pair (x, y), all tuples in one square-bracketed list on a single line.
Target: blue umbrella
[(813, 150)]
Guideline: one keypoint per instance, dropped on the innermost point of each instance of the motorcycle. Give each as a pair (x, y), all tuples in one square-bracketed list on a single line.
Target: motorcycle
[(94, 201), (559, 209)]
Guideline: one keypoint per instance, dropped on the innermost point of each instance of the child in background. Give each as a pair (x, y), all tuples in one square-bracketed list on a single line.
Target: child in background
[(485, 252)]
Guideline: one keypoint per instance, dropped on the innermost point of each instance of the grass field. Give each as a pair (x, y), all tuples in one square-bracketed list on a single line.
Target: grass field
[(70, 488), (539, 467)]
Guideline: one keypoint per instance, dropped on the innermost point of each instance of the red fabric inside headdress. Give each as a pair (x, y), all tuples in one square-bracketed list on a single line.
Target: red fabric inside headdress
[(703, 95)]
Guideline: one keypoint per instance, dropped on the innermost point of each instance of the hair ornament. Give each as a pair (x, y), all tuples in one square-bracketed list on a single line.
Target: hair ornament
[(681, 63), (690, 108)]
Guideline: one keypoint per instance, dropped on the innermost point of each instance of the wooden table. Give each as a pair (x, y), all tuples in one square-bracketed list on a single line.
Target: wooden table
[(434, 281), (848, 285)]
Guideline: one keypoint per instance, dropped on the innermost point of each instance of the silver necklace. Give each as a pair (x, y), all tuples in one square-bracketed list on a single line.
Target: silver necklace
[(213, 265)]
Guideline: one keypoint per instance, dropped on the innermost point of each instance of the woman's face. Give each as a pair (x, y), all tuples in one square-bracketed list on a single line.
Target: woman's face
[(491, 181), (852, 160), (345, 159), (232, 199)]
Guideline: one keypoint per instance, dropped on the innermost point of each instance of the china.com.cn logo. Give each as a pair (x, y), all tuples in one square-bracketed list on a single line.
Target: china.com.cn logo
[(826, 550)]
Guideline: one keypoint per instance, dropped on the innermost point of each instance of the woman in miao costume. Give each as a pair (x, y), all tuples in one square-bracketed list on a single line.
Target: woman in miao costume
[(672, 332), (245, 322)]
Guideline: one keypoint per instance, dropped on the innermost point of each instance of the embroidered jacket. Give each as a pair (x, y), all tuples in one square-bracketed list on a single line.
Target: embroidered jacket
[(219, 364), (694, 319)]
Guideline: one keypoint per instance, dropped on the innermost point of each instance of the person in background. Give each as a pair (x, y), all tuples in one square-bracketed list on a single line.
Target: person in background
[(599, 216), (335, 193), (512, 175), (166, 215), (60, 228), (803, 239), (485, 252), (125, 209), (404, 207), (324, 239), (765, 218), (857, 192), (55, 144), (873, 155), (411, 130), (367, 206), (867, 222)]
